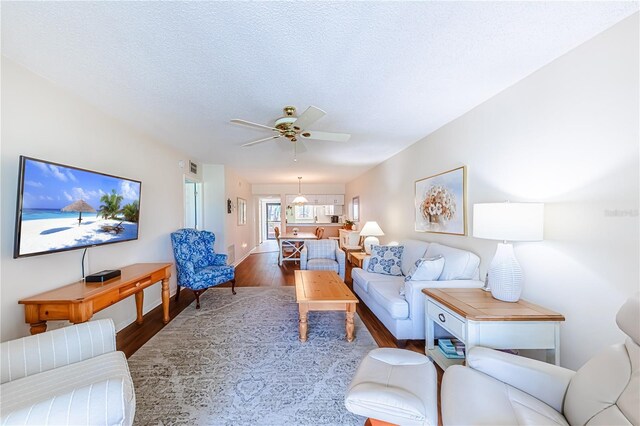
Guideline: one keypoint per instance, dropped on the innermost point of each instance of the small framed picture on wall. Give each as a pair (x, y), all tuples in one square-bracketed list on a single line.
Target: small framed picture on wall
[(242, 211), (355, 207)]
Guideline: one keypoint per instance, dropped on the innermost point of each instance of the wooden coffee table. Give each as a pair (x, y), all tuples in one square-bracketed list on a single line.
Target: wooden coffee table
[(323, 291)]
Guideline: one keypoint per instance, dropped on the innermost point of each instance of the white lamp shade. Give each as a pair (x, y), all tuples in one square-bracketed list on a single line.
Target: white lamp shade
[(300, 199), (371, 229), (508, 221)]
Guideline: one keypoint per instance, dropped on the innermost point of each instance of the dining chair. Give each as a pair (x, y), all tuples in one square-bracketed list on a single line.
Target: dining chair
[(287, 246)]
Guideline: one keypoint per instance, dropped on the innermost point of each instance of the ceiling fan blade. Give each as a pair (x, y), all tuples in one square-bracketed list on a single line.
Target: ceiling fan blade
[(261, 140), (310, 116), (326, 136), (254, 125)]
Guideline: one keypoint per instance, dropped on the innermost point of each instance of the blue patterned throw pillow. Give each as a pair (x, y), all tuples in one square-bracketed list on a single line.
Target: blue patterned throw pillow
[(386, 260)]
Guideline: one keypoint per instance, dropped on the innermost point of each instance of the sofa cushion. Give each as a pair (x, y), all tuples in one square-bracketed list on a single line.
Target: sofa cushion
[(64, 380), (413, 250), (458, 264), (500, 403), (387, 295), (386, 260), (322, 265), (364, 278)]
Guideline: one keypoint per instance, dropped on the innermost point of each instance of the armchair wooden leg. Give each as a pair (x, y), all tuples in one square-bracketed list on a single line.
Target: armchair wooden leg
[(178, 294), (233, 286), (197, 293)]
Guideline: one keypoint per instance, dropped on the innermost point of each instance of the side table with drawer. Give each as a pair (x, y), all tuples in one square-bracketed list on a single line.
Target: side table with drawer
[(477, 319)]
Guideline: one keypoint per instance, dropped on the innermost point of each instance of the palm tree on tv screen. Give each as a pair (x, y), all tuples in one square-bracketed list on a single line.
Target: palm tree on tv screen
[(131, 212), (110, 206)]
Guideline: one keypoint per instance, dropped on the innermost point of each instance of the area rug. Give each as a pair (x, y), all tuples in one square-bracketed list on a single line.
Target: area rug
[(238, 361)]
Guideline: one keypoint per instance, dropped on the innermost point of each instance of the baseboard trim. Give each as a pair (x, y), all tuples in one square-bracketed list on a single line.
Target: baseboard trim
[(243, 258)]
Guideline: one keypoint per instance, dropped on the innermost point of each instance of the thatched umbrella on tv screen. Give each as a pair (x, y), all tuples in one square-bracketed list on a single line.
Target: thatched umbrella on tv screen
[(79, 206)]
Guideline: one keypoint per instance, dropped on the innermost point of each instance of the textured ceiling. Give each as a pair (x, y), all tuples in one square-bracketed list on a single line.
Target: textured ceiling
[(389, 73)]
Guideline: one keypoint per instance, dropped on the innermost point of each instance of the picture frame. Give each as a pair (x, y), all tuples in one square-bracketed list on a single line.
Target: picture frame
[(355, 207), (440, 203), (242, 211)]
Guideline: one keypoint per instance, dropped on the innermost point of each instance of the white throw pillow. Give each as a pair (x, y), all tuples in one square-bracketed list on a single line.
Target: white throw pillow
[(425, 269)]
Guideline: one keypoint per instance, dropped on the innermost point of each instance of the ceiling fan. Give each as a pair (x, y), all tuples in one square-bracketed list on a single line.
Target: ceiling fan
[(293, 127)]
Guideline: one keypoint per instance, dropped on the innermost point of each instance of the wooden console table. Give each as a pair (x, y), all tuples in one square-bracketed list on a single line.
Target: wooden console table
[(477, 319), (78, 302)]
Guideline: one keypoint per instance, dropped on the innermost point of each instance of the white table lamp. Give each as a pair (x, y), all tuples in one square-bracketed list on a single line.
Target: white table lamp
[(507, 222), (371, 230)]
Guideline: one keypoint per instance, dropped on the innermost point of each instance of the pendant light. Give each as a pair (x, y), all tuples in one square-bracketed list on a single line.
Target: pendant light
[(300, 199)]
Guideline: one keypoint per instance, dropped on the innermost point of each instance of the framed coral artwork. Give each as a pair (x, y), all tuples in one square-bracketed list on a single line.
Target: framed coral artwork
[(441, 202)]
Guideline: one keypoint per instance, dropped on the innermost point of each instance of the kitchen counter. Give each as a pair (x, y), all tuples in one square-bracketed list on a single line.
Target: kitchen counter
[(330, 229), (315, 224)]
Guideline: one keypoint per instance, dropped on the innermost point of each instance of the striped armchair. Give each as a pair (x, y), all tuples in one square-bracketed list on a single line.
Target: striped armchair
[(322, 255), (71, 376)]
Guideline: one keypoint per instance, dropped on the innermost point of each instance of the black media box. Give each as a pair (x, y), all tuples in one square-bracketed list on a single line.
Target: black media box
[(102, 276)]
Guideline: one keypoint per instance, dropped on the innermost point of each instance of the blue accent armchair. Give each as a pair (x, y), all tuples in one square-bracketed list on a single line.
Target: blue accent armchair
[(198, 266)]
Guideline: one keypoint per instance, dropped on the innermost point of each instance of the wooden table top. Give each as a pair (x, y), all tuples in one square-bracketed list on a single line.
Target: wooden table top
[(478, 305), (322, 287), (300, 236), (81, 290)]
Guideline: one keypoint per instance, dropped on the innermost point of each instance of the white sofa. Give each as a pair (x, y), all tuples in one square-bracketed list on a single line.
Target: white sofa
[(404, 315), (72, 376), (496, 388)]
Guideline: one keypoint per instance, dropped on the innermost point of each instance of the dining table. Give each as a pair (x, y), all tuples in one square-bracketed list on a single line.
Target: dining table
[(293, 242)]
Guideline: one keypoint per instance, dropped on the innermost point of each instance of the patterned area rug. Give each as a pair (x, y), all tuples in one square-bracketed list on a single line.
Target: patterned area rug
[(238, 361)]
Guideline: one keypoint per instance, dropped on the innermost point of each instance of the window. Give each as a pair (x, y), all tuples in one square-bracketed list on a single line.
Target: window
[(303, 212)]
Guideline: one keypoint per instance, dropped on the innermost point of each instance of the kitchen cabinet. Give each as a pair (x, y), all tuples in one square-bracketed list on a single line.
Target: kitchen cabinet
[(319, 199)]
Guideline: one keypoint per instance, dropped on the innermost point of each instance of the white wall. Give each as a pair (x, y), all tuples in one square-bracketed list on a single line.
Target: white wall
[(214, 199), (566, 135), (44, 121), (242, 237), (292, 188)]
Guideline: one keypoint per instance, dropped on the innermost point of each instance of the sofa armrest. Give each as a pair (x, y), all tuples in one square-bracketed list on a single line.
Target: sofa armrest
[(365, 262), (414, 296), (42, 352), (101, 403), (546, 382), (303, 258), (219, 259)]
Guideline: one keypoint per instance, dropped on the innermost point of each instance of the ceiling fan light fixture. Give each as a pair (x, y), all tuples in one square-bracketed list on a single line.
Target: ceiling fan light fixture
[(300, 199)]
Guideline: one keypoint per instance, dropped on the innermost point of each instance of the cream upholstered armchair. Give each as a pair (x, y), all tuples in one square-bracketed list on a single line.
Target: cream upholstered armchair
[(322, 255), (502, 389)]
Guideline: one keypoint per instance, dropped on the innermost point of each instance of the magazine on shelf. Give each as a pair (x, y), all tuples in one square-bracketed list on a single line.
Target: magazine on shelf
[(449, 349)]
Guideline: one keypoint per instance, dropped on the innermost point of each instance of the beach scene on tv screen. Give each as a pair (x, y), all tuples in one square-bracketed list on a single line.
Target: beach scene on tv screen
[(65, 208)]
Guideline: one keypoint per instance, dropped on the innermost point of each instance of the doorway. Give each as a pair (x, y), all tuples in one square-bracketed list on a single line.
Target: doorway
[(272, 216), (192, 204)]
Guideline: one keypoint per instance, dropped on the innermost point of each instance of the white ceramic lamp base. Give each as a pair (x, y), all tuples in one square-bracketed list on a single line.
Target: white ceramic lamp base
[(505, 274), (370, 241)]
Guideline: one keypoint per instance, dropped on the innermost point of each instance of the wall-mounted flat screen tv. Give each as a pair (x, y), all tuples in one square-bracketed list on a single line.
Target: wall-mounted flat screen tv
[(65, 208)]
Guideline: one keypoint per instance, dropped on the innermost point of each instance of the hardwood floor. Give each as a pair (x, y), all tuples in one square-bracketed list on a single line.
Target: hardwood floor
[(258, 270)]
